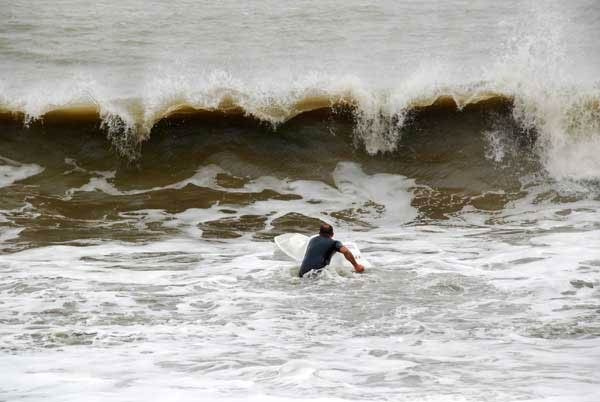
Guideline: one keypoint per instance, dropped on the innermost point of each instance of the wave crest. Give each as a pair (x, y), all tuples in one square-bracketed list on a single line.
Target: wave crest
[(566, 120)]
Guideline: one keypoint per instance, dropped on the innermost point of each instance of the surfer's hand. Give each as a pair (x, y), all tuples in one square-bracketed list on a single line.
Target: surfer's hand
[(359, 268)]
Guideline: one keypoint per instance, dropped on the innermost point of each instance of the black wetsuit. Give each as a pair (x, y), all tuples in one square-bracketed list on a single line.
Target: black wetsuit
[(318, 253)]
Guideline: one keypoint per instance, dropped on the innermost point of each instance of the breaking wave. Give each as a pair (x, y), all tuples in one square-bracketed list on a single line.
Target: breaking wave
[(532, 77), (566, 121)]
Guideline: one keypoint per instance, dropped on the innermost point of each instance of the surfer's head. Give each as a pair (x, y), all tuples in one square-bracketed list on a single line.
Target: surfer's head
[(326, 230)]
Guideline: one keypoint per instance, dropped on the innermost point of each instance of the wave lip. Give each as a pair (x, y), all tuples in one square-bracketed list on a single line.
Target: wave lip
[(276, 111)]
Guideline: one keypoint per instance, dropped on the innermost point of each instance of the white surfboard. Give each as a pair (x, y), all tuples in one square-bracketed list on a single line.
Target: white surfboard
[(294, 246)]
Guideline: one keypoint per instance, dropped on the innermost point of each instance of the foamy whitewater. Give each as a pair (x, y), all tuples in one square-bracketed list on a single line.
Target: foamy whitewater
[(150, 153)]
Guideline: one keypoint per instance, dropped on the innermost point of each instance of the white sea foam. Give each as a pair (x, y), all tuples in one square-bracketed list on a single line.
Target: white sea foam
[(446, 306), (12, 171), (102, 181)]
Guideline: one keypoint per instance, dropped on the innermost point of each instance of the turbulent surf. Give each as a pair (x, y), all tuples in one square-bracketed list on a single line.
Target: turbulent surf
[(150, 154)]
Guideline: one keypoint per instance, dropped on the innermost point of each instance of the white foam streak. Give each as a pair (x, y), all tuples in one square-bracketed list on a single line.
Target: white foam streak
[(12, 171), (387, 190), (204, 177)]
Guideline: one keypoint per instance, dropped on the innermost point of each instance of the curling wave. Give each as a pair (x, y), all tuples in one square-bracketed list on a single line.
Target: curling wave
[(565, 120)]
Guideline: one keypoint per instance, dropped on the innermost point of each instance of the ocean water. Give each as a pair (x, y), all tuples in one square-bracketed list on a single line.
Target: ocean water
[(150, 152)]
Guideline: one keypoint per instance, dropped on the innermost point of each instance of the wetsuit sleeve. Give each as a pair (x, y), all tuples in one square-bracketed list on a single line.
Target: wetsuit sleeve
[(337, 245)]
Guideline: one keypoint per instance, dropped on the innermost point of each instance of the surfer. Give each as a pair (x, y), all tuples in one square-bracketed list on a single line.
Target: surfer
[(321, 248)]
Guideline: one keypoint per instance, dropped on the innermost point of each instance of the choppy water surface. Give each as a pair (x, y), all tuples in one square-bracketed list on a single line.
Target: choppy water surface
[(149, 155)]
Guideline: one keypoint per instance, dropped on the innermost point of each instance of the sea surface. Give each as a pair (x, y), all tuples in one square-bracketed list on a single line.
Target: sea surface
[(151, 151)]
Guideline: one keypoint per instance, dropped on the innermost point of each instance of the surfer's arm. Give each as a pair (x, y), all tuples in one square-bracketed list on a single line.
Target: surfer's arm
[(350, 257)]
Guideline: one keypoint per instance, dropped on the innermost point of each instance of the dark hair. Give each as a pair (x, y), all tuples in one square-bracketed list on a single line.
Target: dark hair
[(326, 229)]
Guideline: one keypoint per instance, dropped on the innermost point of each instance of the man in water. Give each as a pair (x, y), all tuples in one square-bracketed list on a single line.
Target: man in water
[(321, 248)]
